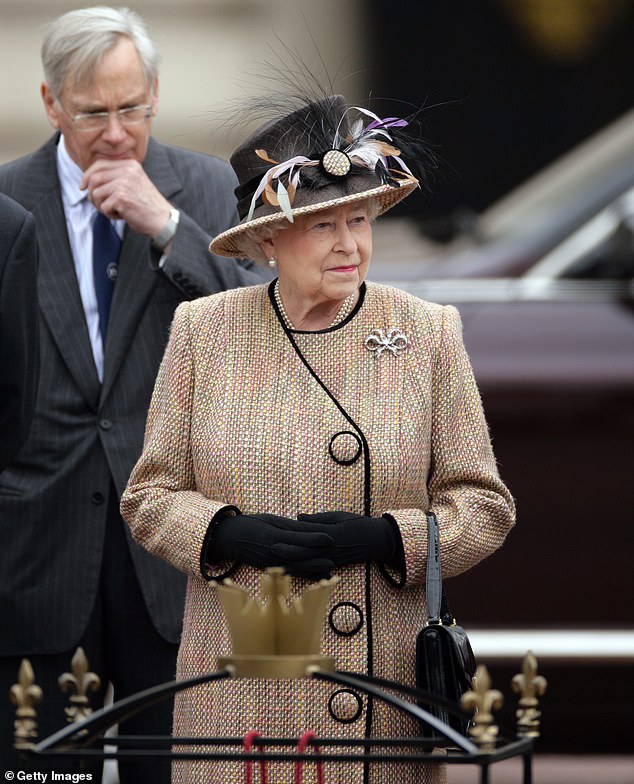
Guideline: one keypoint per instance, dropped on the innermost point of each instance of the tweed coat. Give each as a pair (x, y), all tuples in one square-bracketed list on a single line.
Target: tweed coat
[(250, 413)]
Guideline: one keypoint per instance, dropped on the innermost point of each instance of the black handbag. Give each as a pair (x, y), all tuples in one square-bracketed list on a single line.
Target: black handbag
[(445, 663)]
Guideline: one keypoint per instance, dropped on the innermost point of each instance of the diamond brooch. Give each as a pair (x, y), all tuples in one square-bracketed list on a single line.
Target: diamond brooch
[(394, 341)]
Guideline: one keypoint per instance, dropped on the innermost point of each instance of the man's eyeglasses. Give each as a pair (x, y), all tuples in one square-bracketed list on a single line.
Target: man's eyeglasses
[(93, 121)]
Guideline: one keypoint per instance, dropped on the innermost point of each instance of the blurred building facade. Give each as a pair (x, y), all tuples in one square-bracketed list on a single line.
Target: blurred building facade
[(506, 85), (214, 53)]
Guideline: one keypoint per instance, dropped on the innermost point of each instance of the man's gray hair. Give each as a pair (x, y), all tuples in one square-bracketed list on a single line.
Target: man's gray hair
[(76, 42)]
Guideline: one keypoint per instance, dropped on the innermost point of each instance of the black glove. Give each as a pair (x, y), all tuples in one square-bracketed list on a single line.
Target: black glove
[(263, 540), (359, 539)]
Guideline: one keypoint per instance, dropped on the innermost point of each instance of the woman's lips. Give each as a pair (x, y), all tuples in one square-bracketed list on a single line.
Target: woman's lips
[(348, 268)]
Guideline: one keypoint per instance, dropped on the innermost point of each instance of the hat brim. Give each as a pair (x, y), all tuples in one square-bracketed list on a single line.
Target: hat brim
[(229, 243)]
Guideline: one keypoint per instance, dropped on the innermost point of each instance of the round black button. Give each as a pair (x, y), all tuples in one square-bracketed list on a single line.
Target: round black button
[(97, 498), (345, 706), (345, 447), (345, 619), (105, 424)]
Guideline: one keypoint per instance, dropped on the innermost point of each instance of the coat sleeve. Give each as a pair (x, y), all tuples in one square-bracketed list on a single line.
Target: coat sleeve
[(207, 207), (474, 508), (166, 513), (19, 338)]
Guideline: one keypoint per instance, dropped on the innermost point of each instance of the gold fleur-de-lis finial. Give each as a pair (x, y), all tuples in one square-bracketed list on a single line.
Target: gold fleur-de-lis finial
[(25, 694), (530, 686), (80, 681), (483, 700)]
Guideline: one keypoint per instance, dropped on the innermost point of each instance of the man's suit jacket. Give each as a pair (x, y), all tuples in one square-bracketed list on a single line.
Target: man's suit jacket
[(18, 326), (86, 435)]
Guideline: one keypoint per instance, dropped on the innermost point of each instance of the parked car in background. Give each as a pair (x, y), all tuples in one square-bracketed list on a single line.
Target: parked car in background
[(525, 226), (544, 282)]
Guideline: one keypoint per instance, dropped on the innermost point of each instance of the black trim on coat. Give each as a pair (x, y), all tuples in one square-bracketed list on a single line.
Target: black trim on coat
[(289, 333), (367, 477)]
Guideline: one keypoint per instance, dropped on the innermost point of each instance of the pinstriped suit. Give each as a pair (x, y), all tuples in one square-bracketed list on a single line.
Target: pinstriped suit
[(18, 327), (86, 436)]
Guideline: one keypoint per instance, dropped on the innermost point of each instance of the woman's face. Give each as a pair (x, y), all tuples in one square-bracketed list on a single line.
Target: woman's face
[(324, 256)]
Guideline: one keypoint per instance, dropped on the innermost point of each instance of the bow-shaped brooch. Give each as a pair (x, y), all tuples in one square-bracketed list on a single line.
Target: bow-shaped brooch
[(378, 341)]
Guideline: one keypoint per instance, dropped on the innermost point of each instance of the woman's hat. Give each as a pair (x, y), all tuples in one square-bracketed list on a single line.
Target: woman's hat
[(319, 156)]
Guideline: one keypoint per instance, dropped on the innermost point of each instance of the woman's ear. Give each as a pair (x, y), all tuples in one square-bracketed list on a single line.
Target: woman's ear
[(267, 247)]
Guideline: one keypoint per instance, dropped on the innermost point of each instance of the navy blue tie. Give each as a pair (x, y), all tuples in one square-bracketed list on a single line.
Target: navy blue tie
[(105, 257)]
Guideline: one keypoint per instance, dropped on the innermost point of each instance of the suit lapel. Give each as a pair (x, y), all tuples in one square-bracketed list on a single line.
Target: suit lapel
[(58, 291), (137, 276)]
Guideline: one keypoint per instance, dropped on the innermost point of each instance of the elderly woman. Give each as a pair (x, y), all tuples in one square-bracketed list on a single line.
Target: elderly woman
[(310, 424)]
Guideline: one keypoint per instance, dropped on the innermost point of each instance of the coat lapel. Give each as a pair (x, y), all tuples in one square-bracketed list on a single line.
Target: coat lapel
[(137, 275), (58, 290)]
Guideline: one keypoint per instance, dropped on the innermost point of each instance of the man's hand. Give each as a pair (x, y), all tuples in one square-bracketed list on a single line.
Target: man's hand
[(122, 189)]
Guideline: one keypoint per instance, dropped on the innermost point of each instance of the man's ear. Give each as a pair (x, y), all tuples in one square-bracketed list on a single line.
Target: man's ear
[(155, 101), (50, 105)]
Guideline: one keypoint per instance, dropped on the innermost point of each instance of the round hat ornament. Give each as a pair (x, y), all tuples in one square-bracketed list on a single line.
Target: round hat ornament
[(335, 163)]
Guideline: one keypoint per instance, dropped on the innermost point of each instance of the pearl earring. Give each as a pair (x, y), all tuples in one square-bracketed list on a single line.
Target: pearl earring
[(272, 262)]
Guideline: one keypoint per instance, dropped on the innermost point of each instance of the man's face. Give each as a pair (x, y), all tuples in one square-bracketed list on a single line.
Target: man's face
[(118, 83)]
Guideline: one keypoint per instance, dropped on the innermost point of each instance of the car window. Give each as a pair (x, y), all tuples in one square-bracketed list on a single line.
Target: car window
[(601, 249), (611, 259)]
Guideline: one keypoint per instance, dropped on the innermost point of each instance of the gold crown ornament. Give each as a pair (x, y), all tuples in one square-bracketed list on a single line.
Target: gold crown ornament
[(272, 636)]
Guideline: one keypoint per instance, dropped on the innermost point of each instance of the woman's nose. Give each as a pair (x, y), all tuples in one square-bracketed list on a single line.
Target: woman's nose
[(345, 239)]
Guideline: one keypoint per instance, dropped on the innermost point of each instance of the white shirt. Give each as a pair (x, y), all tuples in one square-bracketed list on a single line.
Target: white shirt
[(80, 214)]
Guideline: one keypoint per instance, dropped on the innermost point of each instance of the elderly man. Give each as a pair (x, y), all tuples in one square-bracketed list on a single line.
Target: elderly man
[(124, 224)]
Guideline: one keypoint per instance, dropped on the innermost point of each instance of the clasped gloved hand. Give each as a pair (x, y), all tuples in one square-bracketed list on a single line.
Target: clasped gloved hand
[(264, 540), (359, 539)]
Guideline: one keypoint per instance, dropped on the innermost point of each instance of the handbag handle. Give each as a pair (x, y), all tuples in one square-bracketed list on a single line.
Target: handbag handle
[(247, 744), (302, 745), (438, 609)]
